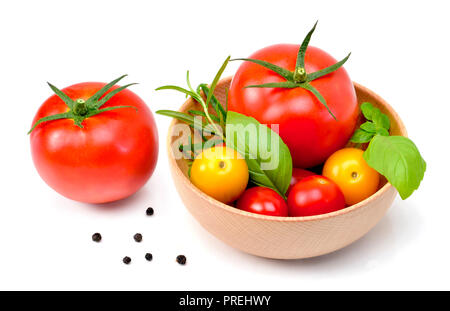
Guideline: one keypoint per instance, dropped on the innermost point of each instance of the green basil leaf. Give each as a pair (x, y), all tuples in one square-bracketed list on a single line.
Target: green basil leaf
[(399, 160), (367, 110), (374, 114), (369, 127), (361, 136), (268, 158), (382, 131), (381, 120)]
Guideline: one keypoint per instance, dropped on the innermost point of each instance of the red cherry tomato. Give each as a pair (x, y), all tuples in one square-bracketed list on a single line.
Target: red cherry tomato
[(261, 200), (110, 158), (305, 125), (315, 195), (297, 175)]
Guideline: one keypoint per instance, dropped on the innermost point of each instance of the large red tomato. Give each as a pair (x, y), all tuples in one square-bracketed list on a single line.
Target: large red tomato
[(109, 158), (305, 125)]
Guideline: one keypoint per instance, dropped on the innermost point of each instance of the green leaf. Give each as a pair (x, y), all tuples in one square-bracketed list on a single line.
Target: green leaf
[(369, 127), (226, 101), (381, 120), (188, 119), (216, 80), (302, 51), (374, 114), (330, 69), (217, 106), (182, 90), (382, 131), (203, 114), (197, 96), (399, 160), (367, 110), (188, 81), (184, 117), (378, 122), (361, 137), (277, 69), (66, 99), (268, 158), (395, 157)]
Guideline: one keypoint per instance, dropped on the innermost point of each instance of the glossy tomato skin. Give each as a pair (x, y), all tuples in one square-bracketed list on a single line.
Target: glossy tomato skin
[(262, 200), (348, 169), (297, 175), (305, 125), (221, 173), (315, 195), (110, 158)]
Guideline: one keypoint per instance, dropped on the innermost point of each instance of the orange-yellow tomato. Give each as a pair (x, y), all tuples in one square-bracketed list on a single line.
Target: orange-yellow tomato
[(221, 173), (348, 169)]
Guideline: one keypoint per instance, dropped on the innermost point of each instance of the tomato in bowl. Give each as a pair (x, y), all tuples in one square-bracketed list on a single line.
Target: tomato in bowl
[(282, 237)]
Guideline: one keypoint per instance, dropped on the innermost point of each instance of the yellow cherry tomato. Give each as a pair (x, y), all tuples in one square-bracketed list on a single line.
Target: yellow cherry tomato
[(348, 169), (221, 173)]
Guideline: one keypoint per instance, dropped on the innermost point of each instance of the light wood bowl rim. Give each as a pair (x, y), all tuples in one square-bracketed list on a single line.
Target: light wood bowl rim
[(234, 210)]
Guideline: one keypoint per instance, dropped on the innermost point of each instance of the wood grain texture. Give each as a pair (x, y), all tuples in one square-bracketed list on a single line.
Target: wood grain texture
[(283, 237)]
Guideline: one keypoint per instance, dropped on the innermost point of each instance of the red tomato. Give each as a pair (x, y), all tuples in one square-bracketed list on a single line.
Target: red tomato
[(297, 175), (110, 158), (261, 200), (305, 125), (315, 195)]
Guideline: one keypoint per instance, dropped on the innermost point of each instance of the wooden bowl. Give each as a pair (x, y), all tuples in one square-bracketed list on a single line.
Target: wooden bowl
[(283, 237)]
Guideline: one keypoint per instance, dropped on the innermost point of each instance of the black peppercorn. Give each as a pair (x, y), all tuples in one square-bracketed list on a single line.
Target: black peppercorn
[(96, 237), (149, 211), (149, 256), (126, 260), (181, 259), (138, 237)]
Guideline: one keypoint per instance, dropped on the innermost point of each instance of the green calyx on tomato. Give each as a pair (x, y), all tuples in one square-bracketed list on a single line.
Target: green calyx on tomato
[(299, 77), (80, 109)]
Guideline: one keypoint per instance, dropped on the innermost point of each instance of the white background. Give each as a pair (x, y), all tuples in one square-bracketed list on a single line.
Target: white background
[(400, 49)]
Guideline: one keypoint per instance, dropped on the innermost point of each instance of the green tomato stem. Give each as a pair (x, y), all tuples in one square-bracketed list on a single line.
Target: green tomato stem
[(80, 108), (300, 75)]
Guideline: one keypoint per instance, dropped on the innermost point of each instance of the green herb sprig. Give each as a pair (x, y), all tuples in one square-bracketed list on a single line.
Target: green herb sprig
[(395, 157), (214, 125), (231, 124)]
